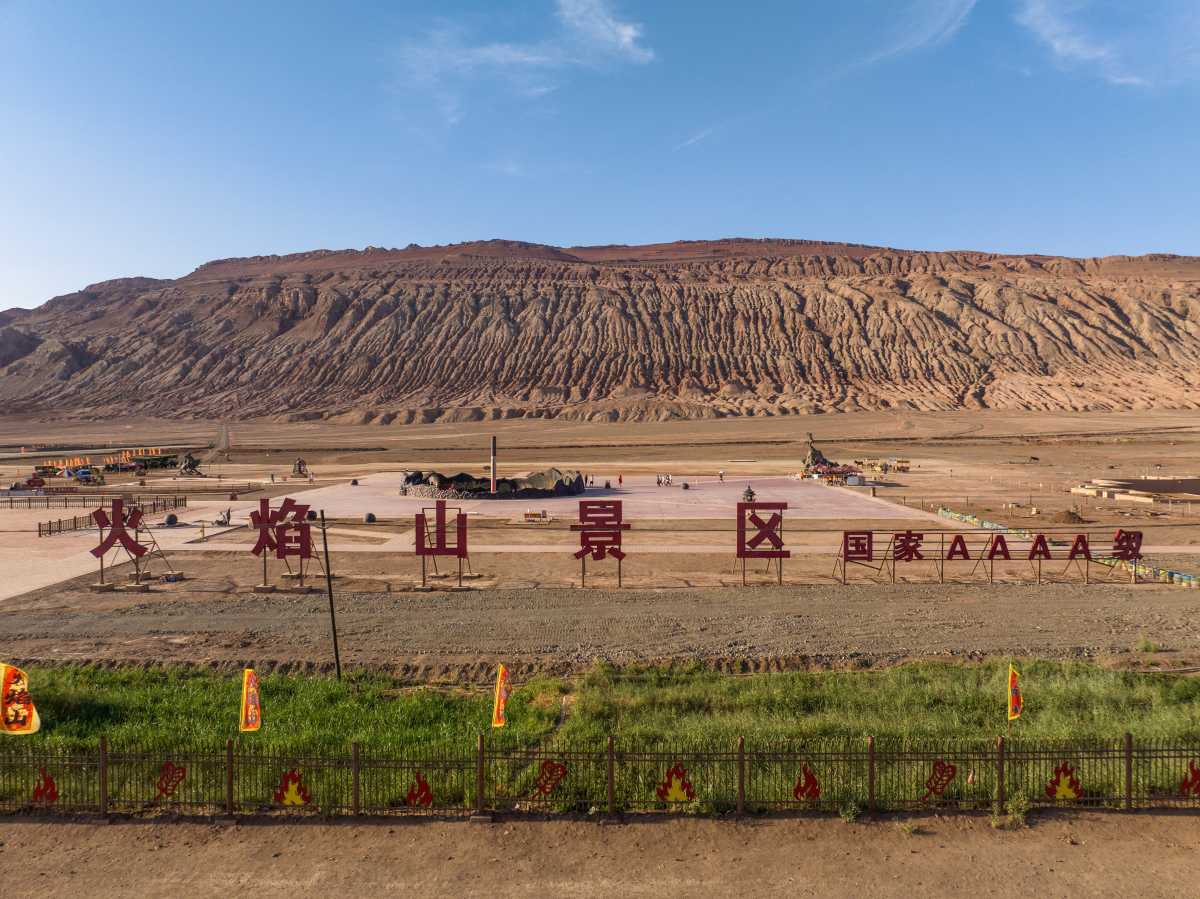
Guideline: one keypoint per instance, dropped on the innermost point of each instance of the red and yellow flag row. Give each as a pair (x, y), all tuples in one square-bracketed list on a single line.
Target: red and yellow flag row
[(123, 456), (18, 716)]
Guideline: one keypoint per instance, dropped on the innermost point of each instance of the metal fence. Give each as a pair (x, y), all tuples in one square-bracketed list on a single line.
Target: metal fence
[(82, 522), (805, 773), (52, 502)]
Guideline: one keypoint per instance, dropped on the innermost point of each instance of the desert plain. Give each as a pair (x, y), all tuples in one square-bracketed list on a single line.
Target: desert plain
[(681, 594)]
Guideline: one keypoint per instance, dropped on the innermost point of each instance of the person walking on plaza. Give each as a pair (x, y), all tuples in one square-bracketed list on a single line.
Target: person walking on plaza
[(620, 479), (720, 477)]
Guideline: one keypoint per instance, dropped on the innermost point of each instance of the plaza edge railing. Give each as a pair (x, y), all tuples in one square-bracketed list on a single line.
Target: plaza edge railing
[(82, 522), (807, 773)]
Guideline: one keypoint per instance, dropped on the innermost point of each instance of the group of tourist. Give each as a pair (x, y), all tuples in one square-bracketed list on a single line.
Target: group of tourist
[(665, 480)]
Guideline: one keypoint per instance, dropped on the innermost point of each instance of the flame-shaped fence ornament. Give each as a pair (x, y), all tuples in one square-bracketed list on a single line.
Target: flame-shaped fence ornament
[(943, 773), (45, 791), (552, 773), (291, 790), (1190, 786), (676, 788), (806, 786), (419, 794), (172, 777), (1065, 784), (1157, 773)]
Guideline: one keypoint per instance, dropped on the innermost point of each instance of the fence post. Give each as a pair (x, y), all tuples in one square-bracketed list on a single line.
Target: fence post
[(870, 774), (741, 744), (103, 775), (479, 776), (229, 777), (354, 756), (1128, 772), (1000, 775), (612, 804)]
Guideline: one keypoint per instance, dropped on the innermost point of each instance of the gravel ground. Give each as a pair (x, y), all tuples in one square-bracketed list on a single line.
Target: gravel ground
[(461, 635)]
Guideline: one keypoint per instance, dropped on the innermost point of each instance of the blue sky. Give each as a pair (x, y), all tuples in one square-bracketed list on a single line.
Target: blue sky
[(141, 138)]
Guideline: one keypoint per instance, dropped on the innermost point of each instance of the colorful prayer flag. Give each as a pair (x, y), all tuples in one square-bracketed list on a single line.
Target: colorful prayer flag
[(1015, 704), (251, 717), (17, 714), (503, 689)]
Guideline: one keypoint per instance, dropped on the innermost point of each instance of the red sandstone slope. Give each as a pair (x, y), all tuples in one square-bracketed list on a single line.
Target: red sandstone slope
[(689, 329)]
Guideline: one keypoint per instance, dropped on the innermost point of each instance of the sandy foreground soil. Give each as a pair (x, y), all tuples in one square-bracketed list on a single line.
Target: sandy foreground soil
[(1061, 854)]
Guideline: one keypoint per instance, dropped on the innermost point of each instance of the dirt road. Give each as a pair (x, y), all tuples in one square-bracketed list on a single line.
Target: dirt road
[(458, 636), (1061, 854)]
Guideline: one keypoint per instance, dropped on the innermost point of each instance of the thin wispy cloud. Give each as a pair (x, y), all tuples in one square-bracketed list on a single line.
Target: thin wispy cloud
[(1121, 41), (593, 23), (448, 67), (927, 23), (695, 140)]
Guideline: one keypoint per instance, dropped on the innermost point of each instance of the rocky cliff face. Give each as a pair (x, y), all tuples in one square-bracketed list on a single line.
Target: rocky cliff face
[(695, 330)]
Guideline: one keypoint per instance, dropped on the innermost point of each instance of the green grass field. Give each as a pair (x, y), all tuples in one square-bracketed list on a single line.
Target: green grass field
[(77, 705)]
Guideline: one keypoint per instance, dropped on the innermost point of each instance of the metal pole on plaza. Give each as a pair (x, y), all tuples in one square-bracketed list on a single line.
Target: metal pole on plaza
[(493, 464), (337, 659)]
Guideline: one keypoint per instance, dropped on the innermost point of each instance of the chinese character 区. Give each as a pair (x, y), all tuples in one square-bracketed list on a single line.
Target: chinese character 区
[(600, 526), (769, 531)]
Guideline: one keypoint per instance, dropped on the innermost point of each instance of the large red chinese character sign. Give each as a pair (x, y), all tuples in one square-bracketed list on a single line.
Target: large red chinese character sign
[(284, 532), (600, 528), (441, 539), (118, 536), (1127, 548), (858, 548), (759, 539)]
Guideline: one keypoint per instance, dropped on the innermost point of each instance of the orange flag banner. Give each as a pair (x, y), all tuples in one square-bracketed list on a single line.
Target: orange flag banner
[(17, 714), (503, 689), (251, 717), (1015, 703)]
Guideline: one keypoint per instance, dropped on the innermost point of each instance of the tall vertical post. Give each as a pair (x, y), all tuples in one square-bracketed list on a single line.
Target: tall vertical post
[(870, 774), (1000, 775), (741, 745), (337, 659), (479, 776), (354, 763), (229, 777), (612, 779), (103, 775), (1128, 772), (493, 464)]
